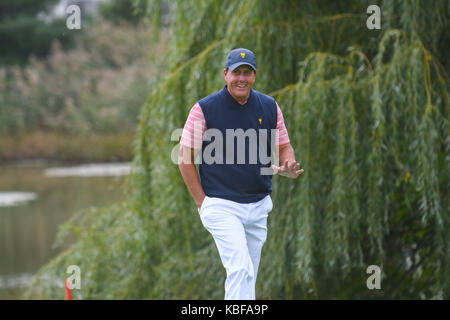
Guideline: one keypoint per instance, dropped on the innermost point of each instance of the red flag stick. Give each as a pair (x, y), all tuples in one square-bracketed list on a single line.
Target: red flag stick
[(69, 295)]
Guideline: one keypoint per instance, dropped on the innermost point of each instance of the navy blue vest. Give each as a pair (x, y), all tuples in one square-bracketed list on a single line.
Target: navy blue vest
[(237, 182)]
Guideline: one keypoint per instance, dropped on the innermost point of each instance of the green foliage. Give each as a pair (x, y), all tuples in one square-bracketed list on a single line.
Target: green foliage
[(99, 86), (23, 31), (132, 11), (427, 21), (370, 130)]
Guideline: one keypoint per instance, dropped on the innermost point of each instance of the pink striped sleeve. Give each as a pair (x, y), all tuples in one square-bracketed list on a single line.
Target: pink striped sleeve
[(194, 128), (283, 136)]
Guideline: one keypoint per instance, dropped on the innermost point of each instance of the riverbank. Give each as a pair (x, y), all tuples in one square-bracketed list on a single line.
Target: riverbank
[(36, 199), (67, 148)]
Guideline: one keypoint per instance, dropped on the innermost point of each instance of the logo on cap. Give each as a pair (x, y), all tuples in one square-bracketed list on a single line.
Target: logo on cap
[(243, 55)]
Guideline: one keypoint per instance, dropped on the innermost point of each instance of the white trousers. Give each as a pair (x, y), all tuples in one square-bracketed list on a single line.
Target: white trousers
[(239, 231)]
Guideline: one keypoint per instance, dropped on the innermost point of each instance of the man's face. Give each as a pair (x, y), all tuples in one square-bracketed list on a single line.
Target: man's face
[(240, 81)]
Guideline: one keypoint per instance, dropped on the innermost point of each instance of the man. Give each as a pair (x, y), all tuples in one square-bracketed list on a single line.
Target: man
[(233, 198)]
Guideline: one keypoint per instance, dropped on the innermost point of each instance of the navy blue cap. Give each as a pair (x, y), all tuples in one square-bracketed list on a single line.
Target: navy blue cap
[(240, 56)]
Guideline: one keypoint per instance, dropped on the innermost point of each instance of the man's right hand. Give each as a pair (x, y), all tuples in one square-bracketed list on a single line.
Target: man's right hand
[(199, 204), (190, 175)]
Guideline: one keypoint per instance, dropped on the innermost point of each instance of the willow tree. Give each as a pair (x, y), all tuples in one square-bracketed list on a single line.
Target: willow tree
[(367, 114)]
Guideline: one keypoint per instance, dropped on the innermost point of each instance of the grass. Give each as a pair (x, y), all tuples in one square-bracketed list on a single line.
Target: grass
[(68, 148)]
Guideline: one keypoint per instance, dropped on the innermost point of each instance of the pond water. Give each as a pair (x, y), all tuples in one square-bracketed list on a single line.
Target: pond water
[(36, 198)]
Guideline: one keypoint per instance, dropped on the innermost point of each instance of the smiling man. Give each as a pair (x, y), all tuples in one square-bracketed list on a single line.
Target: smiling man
[(233, 198), (239, 82)]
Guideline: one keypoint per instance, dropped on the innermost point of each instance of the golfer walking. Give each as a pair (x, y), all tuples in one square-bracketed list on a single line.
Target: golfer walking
[(233, 196)]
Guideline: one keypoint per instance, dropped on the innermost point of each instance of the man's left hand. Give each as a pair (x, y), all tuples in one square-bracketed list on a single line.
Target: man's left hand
[(289, 169)]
